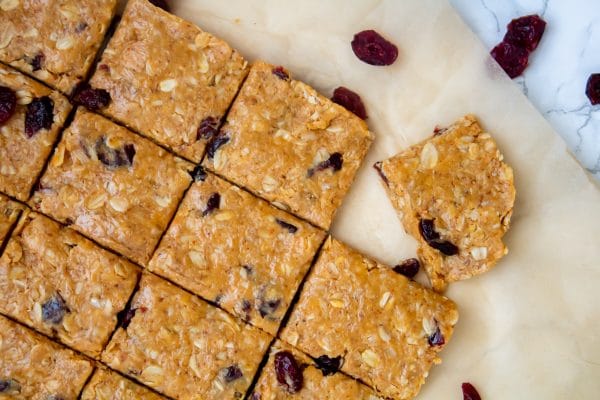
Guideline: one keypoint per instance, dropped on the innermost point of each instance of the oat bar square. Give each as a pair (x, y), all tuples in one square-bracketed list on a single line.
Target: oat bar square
[(387, 328), (306, 380), (61, 284), (108, 385), (112, 185), (26, 139), (55, 41), (455, 196), (32, 367), (183, 347), (235, 249), (288, 144), (168, 79)]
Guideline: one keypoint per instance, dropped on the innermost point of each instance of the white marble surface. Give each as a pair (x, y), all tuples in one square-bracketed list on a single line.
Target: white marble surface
[(559, 68)]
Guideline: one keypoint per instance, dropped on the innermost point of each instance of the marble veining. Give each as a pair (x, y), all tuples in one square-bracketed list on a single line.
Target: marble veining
[(559, 68)]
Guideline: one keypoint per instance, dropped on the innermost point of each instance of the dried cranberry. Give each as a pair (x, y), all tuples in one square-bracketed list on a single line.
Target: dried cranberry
[(199, 174), (408, 268), (469, 392), (350, 101), (592, 89), (114, 158), (162, 4), (37, 61), (328, 365), (370, 47), (8, 103), (215, 144), (39, 115), (246, 308), (436, 338), (432, 238), (525, 32), (334, 162), (513, 59), (90, 98), (54, 309), (288, 372), (231, 373), (377, 167), (281, 73), (126, 316), (208, 128), (212, 204), (268, 307), (437, 131), (286, 225)]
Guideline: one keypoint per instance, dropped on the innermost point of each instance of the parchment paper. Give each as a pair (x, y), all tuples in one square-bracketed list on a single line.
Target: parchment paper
[(530, 328)]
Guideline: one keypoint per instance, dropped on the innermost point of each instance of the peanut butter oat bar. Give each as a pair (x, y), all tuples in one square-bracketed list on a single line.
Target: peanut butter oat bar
[(112, 185), (9, 212), (168, 79), (288, 144), (108, 385), (183, 347), (290, 374), (63, 285), (32, 367), (54, 40), (455, 195), (26, 139), (235, 249), (387, 329)]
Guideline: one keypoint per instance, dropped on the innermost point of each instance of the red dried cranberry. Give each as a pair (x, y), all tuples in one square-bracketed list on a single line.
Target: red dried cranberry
[(444, 246), (592, 89), (37, 61), (286, 225), (432, 238), (281, 73), (8, 103), (215, 144), (90, 98), (162, 4), (513, 59), (212, 204), (469, 392), (370, 47), (437, 131), (525, 32), (436, 338), (198, 174), (334, 162), (39, 115), (114, 158), (208, 128), (377, 167), (328, 365), (54, 309), (231, 373), (288, 372), (408, 268), (350, 101)]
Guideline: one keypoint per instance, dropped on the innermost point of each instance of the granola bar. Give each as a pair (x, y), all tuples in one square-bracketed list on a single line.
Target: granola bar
[(455, 195), (56, 41), (184, 347), (288, 144), (235, 249), (25, 143), (112, 185), (63, 285), (32, 367), (108, 385), (306, 382), (168, 79), (387, 328)]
